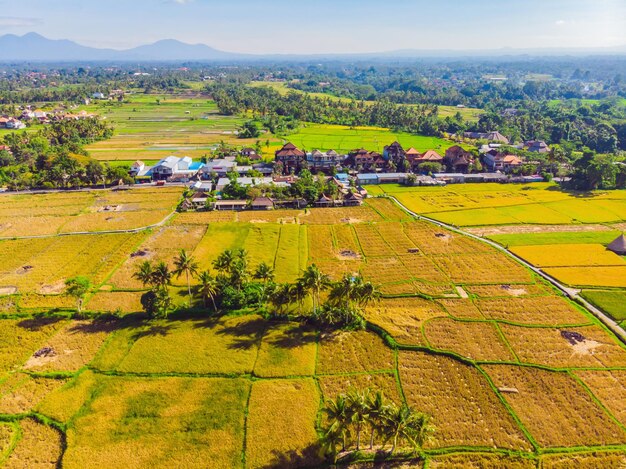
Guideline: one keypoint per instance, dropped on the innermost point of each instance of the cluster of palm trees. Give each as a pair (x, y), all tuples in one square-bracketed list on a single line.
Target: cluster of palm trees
[(157, 302), (341, 308), (351, 417), (344, 301)]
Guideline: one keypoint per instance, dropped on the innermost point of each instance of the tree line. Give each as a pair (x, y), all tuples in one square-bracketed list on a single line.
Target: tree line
[(235, 286), (55, 157)]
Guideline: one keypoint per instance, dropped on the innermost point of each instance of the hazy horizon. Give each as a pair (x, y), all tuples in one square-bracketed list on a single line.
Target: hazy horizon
[(323, 26)]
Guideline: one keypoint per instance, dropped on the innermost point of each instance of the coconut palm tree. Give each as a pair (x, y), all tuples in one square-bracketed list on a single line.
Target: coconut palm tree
[(224, 261), (315, 281), (264, 272), (339, 417), (144, 273), (280, 296), (185, 264), (406, 424), (366, 293), (298, 293), (161, 275), (378, 411), (344, 292), (359, 405), (208, 288)]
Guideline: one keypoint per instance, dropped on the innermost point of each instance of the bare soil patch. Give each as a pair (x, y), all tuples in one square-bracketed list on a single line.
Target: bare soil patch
[(348, 255), (5, 291), (54, 288)]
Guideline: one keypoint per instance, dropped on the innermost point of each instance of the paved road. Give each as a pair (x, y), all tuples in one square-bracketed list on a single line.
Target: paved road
[(569, 292)]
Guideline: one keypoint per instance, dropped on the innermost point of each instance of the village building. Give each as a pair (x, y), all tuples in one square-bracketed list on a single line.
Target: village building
[(262, 203), (323, 161), (394, 153), (457, 160), (493, 136), (250, 153), (169, 168), (291, 157), (430, 156), (14, 124), (501, 162), (220, 166), (537, 146)]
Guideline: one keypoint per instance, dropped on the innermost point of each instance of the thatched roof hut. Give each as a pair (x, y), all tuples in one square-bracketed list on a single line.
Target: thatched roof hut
[(618, 246)]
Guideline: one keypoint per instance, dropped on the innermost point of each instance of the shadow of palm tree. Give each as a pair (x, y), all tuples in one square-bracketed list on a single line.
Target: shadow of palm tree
[(306, 457), (246, 334), (153, 330), (37, 323), (294, 335)]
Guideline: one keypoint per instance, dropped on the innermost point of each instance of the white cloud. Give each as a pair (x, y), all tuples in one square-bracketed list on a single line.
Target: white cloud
[(183, 2), (16, 22), (560, 22)]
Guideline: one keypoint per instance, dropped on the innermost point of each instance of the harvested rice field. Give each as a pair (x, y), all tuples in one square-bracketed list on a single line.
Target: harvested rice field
[(505, 366)]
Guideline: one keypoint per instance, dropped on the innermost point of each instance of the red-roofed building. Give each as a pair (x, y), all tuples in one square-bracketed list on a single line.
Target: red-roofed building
[(291, 157)]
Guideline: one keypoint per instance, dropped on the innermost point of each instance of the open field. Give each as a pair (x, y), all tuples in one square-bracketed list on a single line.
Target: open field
[(510, 204), (486, 349), (151, 127), (468, 114)]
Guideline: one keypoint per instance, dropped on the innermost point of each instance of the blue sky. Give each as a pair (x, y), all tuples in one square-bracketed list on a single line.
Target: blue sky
[(323, 26)]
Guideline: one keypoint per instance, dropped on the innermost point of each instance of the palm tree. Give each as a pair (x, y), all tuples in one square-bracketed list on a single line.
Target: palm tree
[(358, 403), (264, 273), (161, 275), (366, 292), (338, 413), (406, 424), (315, 281), (280, 296), (208, 288), (185, 264), (378, 410), (144, 273), (224, 261), (298, 293), (344, 292)]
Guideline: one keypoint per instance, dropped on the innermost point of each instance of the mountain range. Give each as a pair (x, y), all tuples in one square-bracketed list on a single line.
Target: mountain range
[(33, 47)]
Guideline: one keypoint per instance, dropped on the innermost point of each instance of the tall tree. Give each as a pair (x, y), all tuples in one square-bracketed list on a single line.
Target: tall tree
[(315, 281), (208, 288), (78, 287), (185, 264)]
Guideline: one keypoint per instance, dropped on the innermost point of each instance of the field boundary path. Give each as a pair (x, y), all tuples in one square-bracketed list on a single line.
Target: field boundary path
[(569, 292), (82, 233)]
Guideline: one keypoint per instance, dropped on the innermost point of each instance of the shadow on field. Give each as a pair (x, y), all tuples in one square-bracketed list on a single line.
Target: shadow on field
[(307, 457), (38, 323), (153, 330), (295, 336), (246, 334), (575, 193)]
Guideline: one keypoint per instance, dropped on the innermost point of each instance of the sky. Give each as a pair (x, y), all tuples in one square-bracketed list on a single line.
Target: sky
[(324, 26)]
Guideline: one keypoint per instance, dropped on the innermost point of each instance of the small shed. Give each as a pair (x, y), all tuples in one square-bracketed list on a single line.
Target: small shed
[(231, 204), (618, 246), (262, 203)]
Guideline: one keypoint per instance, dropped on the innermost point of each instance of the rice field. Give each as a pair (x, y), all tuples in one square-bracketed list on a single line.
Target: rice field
[(463, 333)]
